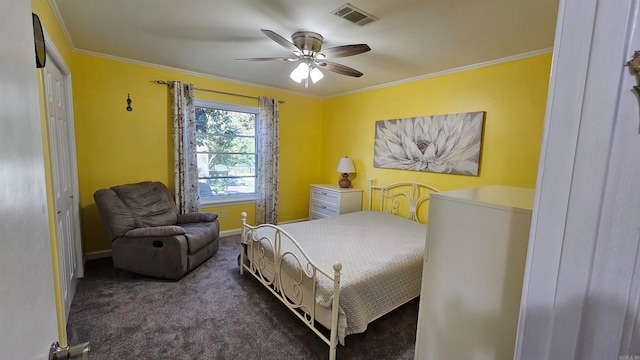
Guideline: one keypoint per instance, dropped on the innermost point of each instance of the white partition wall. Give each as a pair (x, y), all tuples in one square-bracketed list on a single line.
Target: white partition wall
[(27, 303), (472, 276)]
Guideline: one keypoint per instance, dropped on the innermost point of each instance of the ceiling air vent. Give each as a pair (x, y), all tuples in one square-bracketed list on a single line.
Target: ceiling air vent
[(355, 15)]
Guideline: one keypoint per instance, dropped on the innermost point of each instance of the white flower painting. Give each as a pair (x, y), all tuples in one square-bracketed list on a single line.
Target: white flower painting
[(439, 143)]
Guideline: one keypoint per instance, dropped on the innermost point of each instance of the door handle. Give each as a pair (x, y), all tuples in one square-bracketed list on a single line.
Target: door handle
[(77, 352)]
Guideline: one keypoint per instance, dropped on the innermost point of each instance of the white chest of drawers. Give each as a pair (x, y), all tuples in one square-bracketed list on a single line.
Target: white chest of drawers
[(330, 200)]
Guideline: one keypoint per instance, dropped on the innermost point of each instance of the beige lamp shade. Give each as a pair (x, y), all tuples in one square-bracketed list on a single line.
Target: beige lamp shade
[(345, 166)]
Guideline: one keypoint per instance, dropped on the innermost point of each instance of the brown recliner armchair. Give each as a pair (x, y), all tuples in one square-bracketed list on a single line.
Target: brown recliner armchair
[(147, 234)]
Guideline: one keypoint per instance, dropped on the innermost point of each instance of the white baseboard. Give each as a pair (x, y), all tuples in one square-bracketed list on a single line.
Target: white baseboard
[(239, 231), (97, 255), (293, 221), (107, 253), (230, 232)]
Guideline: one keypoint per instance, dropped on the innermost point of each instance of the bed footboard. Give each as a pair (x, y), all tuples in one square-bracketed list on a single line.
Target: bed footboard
[(276, 259)]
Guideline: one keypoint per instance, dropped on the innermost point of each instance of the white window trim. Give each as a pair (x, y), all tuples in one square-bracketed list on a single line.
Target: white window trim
[(240, 200), (230, 199), (226, 106)]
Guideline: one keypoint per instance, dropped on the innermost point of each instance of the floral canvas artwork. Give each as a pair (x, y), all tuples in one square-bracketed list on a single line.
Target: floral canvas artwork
[(440, 143)]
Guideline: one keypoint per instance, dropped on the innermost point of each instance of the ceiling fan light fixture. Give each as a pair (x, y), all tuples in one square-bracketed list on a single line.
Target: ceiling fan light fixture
[(316, 75), (300, 73), (307, 48)]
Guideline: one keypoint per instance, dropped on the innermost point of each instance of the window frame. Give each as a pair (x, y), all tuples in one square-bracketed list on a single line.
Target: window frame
[(242, 198)]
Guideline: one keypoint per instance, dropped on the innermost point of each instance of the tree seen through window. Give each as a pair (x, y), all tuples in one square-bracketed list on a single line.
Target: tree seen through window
[(226, 151)]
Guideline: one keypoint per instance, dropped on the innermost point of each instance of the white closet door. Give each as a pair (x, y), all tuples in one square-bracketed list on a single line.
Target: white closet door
[(62, 151)]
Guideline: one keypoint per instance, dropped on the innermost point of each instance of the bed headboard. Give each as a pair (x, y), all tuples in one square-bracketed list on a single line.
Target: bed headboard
[(392, 197)]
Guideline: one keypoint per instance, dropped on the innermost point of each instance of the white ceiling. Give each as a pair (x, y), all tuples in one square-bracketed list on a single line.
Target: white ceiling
[(412, 38)]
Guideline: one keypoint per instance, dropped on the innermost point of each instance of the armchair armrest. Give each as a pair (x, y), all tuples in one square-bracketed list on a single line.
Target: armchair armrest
[(196, 217), (156, 231)]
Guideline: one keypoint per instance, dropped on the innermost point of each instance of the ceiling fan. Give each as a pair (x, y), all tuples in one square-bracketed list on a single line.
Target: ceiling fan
[(307, 48)]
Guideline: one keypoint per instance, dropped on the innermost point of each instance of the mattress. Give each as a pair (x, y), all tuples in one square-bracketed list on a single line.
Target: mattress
[(381, 256)]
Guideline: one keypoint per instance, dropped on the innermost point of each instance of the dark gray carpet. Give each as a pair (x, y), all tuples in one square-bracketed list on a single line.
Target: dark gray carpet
[(212, 313)]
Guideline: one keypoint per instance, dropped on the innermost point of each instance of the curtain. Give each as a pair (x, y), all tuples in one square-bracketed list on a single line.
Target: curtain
[(268, 159), (184, 143)]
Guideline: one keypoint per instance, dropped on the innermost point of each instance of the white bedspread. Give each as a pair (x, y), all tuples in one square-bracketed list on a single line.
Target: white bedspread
[(381, 256)]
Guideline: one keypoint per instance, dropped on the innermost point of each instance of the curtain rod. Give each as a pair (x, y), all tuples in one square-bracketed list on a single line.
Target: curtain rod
[(162, 82)]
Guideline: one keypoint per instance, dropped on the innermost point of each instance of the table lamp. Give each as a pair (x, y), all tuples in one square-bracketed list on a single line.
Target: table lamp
[(345, 166)]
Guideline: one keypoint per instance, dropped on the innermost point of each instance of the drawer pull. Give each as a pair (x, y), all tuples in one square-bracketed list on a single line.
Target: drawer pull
[(324, 193), (323, 207)]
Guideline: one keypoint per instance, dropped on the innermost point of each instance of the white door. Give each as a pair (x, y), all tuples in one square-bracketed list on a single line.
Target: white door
[(62, 150), (581, 294), (27, 303)]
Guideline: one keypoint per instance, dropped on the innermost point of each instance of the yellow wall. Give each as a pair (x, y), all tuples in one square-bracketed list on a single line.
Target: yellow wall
[(115, 146), (513, 95)]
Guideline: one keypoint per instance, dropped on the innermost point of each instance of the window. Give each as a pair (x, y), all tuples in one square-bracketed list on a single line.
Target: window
[(226, 151)]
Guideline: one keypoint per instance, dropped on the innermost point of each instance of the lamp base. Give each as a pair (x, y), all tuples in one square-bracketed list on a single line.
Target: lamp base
[(345, 183)]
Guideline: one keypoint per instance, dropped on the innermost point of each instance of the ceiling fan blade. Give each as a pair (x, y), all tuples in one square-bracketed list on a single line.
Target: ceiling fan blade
[(339, 68), (282, 41), (345, 50), (269, 59)]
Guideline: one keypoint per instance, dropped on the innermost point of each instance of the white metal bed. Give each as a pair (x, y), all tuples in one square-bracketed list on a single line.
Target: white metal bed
[(301, 278)]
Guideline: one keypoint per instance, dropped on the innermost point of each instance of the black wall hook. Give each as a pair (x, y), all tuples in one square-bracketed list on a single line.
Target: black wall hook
[(129, 108)]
